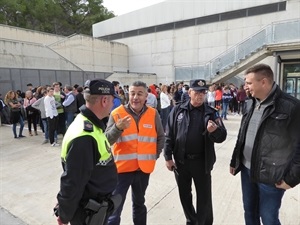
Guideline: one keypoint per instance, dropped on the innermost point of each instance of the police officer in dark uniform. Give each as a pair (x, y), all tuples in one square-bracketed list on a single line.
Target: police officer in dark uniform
[(90, 173), (192, 129)]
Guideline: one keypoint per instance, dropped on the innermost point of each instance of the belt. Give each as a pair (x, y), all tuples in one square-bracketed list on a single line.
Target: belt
[(193, 156)]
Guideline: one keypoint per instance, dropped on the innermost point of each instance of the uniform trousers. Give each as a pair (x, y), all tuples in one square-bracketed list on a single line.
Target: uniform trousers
[(138, 181), (194, 169)]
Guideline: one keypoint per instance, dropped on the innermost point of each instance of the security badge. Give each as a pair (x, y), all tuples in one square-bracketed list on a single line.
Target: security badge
[(104, 90), (179, 117), (88, 126), (200, 83), (147, 126)]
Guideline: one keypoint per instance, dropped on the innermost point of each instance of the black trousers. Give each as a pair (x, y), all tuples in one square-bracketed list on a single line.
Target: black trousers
[(194, 169), (52, 127)]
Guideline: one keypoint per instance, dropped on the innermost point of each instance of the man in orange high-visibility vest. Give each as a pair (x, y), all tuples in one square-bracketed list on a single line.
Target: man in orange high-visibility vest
[(138, 137)]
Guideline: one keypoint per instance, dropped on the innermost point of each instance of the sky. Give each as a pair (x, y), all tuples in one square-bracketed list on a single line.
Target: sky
[(120, 7)]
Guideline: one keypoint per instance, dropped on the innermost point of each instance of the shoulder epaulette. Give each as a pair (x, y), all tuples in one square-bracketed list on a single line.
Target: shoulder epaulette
[(88, 126)]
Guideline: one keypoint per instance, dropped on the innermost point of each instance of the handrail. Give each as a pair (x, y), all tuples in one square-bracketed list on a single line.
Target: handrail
[(276, 32)]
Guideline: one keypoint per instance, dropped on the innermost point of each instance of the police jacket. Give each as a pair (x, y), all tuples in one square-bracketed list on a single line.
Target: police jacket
[(177, 128), (276, 148), (89, 170)]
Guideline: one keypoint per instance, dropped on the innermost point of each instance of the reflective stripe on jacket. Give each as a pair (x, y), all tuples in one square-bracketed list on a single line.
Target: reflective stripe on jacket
[(136, 147), (76, 130)]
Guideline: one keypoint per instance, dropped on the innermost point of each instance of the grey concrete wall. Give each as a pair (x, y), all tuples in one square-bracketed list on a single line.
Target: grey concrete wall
[(17, 79)]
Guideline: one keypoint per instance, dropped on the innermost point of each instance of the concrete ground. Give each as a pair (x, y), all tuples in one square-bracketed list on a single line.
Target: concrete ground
[(30, 174)]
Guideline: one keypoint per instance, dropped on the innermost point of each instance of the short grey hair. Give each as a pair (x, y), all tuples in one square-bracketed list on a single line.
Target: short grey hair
[(139, 84)]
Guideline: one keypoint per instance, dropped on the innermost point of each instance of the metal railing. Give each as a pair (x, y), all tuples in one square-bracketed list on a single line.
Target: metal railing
[(275, 33)]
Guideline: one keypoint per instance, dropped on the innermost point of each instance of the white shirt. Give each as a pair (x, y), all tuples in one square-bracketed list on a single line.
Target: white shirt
[(50, 108), (164, 100), (210, 96)]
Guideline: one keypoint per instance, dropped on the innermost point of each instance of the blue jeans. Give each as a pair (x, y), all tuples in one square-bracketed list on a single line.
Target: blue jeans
[(224, 110), (69, 118), (14, 127), (45, 125), (260, 201), (139, 183)]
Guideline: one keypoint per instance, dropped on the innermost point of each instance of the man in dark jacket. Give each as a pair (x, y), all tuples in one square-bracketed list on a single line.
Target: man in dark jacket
[(267, 151), (192, 129)]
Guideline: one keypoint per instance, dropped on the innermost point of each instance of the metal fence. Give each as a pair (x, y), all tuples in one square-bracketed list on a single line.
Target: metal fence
[(275, 33)]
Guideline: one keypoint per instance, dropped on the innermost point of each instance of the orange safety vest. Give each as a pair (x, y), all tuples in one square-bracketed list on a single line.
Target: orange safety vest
[(136, 148)]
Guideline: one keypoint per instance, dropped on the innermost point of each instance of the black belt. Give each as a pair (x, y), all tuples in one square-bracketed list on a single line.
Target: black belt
[(193, 156)]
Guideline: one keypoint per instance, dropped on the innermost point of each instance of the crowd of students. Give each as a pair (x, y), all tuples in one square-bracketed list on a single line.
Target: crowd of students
[(18, 106)]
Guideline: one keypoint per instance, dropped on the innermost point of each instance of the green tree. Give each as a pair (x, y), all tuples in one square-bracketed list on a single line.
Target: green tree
[(63, 17)]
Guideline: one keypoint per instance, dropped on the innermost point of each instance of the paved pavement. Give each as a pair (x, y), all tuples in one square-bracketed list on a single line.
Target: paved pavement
[(30, 174)]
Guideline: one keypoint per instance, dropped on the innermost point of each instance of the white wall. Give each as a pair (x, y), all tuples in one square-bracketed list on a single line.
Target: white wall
[(170, 11), (160, 52)]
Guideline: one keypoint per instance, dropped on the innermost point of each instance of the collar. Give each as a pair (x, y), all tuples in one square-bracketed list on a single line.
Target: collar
[(92, 117), (269, 98), (138, 114), (199, 108)]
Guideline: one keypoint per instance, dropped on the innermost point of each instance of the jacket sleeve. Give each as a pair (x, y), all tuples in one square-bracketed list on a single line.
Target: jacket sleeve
[(170, 135), (37, 104), (160, 134), (77, 172), (112, 132), (220, 134), (292, 177)]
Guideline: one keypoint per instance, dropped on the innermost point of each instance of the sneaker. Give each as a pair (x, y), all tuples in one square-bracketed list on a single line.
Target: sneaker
[(54, 145), (45, 141), (21, 136)]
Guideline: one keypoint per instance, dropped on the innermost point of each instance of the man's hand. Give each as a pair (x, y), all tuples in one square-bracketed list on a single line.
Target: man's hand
[(211, 126), (232, 170), (60, 222), (123, 123), (282, 185), (170, 165)]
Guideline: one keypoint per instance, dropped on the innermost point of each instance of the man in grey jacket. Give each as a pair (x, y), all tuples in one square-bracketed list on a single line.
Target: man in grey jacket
[(267, 150)]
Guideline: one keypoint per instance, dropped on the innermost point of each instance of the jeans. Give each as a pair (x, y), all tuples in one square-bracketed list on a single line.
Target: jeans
[(260, 201), (224, 110), (69, 118), (14, 127), (45, 125), (139, 183)]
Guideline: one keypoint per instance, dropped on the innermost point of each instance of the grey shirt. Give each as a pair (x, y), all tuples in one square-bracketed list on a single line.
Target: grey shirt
[(254, 123)]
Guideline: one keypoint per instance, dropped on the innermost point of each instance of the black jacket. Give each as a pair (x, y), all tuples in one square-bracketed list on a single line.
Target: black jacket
[(276, 149), (83, 177), (177, 128)]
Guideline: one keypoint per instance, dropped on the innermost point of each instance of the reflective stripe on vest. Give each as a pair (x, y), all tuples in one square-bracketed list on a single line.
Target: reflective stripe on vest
[(76, 130), (135, 156), (135, 136), (136, 148)]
